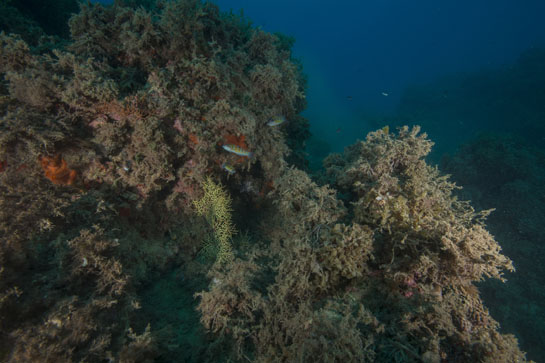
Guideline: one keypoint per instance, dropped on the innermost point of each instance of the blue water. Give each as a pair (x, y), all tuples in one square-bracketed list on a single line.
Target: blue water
[(365, 49)]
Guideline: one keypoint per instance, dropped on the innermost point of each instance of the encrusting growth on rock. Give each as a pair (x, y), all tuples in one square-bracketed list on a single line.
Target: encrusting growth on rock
[(56, 170)]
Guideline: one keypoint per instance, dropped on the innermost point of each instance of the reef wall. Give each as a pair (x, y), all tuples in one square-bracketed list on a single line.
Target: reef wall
[(132, 152)]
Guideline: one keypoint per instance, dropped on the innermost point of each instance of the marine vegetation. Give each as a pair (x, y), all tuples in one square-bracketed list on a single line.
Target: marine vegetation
[(215, 206), (387, 274), (114, 184)]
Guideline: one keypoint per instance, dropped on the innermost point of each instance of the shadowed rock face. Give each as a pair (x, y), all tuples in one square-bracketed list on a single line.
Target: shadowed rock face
[(51, 16)]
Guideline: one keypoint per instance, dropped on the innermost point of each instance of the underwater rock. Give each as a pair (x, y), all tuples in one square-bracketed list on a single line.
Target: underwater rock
[(140, 100)]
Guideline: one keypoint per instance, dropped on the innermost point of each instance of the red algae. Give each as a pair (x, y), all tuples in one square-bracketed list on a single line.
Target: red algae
[(236, 140), (56, 170), (194, 139)]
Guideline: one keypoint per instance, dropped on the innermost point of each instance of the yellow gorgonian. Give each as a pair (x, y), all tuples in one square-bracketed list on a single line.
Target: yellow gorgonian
[(215, 206)]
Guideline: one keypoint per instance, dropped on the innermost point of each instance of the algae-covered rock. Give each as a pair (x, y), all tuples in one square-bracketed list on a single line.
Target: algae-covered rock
[(389, 277), (115, 145), (116, 129)]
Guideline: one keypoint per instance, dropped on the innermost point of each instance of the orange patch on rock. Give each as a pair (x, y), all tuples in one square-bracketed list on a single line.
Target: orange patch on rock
[(3, 165), (239, 141), (56, 170), (193, 138)]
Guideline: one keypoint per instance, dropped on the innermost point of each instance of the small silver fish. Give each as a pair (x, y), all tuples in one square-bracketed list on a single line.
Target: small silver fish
[(228, 168), (235, 149), (276, 120)]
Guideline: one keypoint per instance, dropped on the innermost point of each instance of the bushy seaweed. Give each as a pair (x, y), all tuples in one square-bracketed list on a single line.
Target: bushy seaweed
[(109, 143), (389, 278)]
